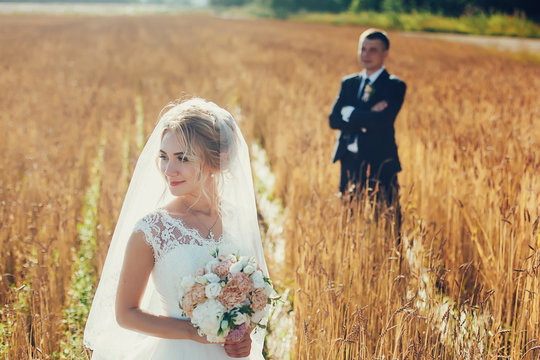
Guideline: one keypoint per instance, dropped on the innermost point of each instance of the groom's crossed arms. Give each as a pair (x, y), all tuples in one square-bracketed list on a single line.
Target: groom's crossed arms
[(349, 117)]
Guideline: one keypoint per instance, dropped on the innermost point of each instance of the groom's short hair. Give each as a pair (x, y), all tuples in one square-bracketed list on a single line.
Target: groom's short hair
[(375, 34)]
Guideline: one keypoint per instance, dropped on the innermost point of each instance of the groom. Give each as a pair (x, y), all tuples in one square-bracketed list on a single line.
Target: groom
[(364, 112)]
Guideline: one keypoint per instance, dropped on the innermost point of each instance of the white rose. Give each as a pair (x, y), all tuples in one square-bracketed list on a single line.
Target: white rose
[(236, 268), (244, 260), (212, 290), (258, 279), (211, 265), (208, 316), (240, 319), (212, 278), (187, 282), (249, 269)]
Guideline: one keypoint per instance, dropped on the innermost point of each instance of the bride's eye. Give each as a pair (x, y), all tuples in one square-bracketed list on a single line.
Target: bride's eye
[(162, 157), (183, 159)]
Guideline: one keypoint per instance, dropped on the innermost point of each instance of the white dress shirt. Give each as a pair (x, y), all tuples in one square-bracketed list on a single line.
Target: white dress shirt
[(346, 111)]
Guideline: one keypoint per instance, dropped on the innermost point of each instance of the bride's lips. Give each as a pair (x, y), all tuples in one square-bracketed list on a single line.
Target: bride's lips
[(176, 183)]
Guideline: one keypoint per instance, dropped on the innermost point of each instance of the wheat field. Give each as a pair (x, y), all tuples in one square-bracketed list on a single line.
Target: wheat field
[(81, 93)]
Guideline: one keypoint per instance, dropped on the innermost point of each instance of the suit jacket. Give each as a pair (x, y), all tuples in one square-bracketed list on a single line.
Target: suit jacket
[(375, 130)]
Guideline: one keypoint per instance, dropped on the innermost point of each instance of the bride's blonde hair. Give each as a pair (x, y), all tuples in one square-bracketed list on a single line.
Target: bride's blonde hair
[(207, 133)]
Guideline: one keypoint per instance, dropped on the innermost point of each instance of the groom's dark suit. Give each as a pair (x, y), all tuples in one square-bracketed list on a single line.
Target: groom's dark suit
[(377, 149)]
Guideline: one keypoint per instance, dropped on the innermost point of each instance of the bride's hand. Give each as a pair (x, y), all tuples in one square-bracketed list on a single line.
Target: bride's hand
[(240, 348), (196, 337)]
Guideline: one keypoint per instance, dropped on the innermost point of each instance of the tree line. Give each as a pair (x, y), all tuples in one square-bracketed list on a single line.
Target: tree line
[(531, 8)]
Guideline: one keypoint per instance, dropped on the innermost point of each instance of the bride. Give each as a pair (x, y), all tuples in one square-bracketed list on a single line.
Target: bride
[(197, 199)]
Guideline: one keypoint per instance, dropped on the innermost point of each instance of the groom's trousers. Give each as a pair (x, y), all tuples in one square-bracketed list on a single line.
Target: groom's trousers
[(357, 176)]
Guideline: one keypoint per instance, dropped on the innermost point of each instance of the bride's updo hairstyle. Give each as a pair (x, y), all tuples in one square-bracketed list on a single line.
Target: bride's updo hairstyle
[(205, 131)]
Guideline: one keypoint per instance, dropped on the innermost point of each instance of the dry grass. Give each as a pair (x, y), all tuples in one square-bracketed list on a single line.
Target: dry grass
[(468, 137)]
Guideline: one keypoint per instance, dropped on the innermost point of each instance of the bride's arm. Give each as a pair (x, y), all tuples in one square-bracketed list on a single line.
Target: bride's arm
[(138, 264)]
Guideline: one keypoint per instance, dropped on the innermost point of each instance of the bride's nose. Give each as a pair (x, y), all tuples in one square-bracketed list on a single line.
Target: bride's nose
[(170, 169)]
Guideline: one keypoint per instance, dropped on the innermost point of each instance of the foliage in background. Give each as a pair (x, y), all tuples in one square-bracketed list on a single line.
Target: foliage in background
[(480, 24), (453, 8), (451, 16)]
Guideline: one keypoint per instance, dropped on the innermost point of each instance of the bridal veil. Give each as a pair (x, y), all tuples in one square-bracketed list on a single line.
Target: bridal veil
[(148, 191)]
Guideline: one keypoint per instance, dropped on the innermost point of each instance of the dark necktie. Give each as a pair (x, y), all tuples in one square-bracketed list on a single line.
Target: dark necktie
[(361, 92)]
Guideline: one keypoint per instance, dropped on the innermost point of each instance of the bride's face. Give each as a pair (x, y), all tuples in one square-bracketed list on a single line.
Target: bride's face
[(179, 171)]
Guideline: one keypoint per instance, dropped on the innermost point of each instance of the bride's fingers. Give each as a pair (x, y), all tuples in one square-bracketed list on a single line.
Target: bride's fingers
[(245, 339), (238, 354), (239, 349), (238, 346)]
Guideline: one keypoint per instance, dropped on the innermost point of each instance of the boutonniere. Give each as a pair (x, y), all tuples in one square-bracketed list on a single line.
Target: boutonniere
[(368, 91)]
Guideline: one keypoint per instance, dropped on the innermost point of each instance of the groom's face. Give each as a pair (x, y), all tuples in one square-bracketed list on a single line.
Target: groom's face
[(372, 54)]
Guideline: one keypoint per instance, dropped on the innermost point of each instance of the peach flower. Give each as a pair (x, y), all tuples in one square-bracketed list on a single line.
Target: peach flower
[(236, 290), (258, 299), (192, 298), (231, 296), (242, 281), (222, 269)]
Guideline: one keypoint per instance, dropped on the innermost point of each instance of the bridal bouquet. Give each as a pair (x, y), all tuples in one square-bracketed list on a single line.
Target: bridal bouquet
[(226, 297)]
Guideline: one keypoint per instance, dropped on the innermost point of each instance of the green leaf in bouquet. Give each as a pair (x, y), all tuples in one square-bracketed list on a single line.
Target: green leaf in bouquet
[(246, 309), (215, 253)]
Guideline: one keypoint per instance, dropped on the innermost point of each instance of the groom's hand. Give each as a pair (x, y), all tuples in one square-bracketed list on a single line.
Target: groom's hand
[(380, 106), (346, 112), (239, 349)]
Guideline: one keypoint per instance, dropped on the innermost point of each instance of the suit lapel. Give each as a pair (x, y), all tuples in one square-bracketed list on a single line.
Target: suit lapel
[(377, 87), (356, 87), (381, 80)]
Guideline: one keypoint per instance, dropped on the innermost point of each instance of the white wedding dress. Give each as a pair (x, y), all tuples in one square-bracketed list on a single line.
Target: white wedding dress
[(178, 251)]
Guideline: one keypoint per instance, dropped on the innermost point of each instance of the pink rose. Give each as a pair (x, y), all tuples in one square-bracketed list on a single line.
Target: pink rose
[(236, 290), (222, 269), (231, 296), (242, 281), (258, 299), (192, 298)]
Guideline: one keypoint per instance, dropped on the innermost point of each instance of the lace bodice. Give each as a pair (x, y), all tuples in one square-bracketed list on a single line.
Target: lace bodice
[(178, 251), (165, 232)]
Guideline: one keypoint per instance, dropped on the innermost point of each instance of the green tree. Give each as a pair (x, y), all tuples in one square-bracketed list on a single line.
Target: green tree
[(364, 5), (282, 7), (393, 6), (228, 2)]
